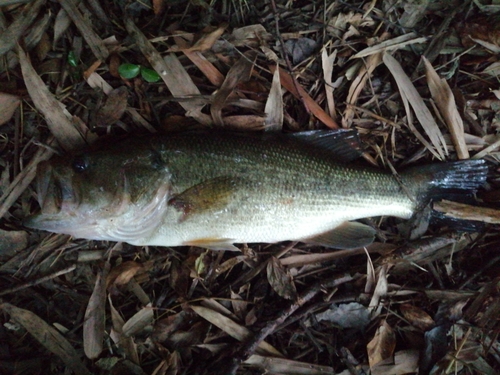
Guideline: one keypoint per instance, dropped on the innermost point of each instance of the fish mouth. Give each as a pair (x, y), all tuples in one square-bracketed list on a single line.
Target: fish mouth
[(56, 196)]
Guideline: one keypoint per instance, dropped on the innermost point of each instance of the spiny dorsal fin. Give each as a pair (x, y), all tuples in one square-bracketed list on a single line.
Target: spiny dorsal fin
[(343, 144)]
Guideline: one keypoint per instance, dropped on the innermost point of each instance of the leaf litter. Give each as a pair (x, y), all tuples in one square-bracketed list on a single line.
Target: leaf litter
[(418, 81)]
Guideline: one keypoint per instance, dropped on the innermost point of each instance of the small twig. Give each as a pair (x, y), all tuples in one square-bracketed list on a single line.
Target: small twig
[(38, 281)]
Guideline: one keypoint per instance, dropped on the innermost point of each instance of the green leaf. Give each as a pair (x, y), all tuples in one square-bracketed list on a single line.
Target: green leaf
[(72, 59), (199, 264), (129, 71), (149, 75)]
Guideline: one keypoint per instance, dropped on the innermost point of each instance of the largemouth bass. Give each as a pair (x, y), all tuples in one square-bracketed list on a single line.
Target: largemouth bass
[(214, 189)]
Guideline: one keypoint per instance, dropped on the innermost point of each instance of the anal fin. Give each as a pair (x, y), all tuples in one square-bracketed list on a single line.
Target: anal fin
[(349, 235), (213, 244)]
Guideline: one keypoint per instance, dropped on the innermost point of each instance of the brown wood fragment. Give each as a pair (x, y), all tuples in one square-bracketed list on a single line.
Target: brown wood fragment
[(467, 212)]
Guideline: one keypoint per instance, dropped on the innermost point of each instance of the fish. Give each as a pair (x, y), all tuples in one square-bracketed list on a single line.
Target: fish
[(215, 189)]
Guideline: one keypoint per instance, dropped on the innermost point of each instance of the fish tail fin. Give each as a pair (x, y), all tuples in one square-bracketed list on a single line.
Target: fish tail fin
[(437, 181)]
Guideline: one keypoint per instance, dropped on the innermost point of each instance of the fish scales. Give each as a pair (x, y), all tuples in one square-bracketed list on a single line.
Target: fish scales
[(215, 189), (286, 191)]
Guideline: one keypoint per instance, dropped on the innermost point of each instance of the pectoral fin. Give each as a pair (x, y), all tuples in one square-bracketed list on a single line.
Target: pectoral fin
[(349, 235), (212, 194), (213, 244)]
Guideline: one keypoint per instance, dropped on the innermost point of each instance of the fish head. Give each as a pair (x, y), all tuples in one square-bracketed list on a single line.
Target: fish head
[(90, 194)]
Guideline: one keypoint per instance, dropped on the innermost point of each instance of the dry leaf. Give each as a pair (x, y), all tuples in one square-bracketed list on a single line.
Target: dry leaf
[(8, 105), (169, 366), (300, 49), (327, 63), (380, 291), (445, 101), (95, 317), (43, 47), (272, 365), (179, 278), (138, 321), (123, 273), (93, 40), (11, 35), (417, 317), (207, 40), (113, 109), (239, 305), (357, 86), (12, 242), (390, 45), (57, 117), (410, 96), (274, 104), (480, 29), (346, 315), (251, 35), (48, 336), (233, 329), (61, 24), (405, 362), (122, 341), (340, 24), (280, 280), (177, 80), (95, 81), (201, 62), (297, 91), (23, 179), (414, 11), (239, 72), (382, 345)]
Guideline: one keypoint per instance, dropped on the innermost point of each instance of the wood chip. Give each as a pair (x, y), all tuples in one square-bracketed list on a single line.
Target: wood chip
[(467, 212)]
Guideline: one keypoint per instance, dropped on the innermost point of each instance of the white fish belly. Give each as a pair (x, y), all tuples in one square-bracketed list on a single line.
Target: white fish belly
[(269, 223)]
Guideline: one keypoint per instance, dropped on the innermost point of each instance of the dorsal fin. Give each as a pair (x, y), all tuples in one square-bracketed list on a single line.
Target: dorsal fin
[(343, 144)]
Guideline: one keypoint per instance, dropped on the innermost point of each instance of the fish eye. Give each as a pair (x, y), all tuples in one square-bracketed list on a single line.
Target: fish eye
[(80, 164)]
